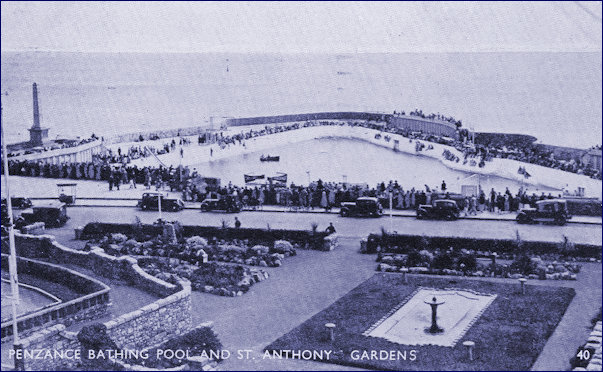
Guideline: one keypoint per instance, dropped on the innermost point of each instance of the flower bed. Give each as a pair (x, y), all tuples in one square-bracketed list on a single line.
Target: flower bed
[(506, 248), (305, 239), (465, 263), (198, 250), (212, 277)]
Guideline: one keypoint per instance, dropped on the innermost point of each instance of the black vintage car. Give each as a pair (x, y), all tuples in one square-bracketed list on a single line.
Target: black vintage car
[(18, 202), (150, 201), (362, 207), (445, 209), (52, 214), (547, 211), (227, 203)]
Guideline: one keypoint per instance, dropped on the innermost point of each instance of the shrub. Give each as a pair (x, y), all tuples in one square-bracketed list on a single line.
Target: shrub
[(467, 262), (197, 341), (414, 258), (523, 264), (130, 243), (95, 337), (282, 246), (442, 261), (196, 241), (260, 249), (118, 238), (230, 248)]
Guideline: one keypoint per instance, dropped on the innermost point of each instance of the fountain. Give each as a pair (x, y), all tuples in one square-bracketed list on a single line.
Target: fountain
[(434, 316), (410, 323)]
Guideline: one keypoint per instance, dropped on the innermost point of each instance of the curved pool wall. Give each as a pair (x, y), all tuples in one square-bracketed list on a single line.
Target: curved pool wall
[(31, 299), (542, 177)]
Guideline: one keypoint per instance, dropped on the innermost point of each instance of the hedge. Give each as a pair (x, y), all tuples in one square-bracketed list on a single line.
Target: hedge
[(397, 243), (255, 236)]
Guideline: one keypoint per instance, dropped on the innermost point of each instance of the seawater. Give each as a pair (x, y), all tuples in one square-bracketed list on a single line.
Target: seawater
[(553, 96)]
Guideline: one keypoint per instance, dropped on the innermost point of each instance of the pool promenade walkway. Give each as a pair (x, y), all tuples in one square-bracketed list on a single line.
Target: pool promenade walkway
[(97, 194)]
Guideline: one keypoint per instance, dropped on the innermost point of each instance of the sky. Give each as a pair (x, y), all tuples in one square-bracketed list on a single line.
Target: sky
[(301, 27)]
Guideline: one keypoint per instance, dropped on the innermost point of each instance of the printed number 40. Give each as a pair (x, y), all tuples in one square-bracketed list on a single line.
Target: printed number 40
[(584, 354)]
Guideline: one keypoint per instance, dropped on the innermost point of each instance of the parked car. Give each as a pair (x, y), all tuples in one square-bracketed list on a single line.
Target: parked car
[(548, 211), (18, 202), (227, 203), (445, 209), (150, 201), (52, 214), (362, 207)]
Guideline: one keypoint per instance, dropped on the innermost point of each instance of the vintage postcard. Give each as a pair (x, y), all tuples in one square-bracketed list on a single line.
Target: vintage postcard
[(198, 186)]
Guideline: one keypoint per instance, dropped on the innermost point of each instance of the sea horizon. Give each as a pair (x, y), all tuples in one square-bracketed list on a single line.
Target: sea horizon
[(122, 92)]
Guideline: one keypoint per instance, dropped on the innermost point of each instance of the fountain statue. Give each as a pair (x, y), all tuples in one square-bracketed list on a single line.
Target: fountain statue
[(434, 314)]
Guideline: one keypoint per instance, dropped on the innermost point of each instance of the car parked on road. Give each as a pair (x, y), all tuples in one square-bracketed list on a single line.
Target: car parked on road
[(53, 214), (18, 202), (362, 207), (547, 211), (444, 209), (227, 203), (150, 201)]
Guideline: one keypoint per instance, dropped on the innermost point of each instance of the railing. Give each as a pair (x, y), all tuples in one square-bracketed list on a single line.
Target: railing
[(59, 312), (58, 152)]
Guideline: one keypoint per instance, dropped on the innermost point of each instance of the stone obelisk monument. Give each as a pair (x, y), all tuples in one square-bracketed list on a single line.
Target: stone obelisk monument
[(37, 134)]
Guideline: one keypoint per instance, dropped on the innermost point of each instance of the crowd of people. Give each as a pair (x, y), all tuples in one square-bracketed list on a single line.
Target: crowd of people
[(536, 154), (115, 168), (55, 145), (432, 116), (326, 195)]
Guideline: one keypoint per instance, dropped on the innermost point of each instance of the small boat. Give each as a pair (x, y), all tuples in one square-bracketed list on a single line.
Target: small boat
[(269, 158)]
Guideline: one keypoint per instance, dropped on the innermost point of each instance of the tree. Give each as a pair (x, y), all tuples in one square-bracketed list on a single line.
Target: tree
[(442, 261), (523, 264)]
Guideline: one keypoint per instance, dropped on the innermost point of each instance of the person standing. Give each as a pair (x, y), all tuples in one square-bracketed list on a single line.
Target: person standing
[(323, 200), (117, 179), (443, 185), (330, 229), (473, 205), (111, 181), (237, 223)]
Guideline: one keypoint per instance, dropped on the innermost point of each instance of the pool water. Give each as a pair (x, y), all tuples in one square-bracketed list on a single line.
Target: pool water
[(348, 160), (30, 300)]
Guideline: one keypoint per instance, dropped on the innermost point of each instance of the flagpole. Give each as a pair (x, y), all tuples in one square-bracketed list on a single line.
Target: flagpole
[(12, 259)]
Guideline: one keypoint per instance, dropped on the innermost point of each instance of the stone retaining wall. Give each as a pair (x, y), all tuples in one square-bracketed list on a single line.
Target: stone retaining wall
[(163, 319), (121, 268), (92, 304)]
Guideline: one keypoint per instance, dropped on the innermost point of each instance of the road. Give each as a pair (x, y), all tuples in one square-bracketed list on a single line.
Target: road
[(349, 227)]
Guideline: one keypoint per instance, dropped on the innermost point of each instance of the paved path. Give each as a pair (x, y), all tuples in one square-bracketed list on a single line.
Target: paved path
[(576, 325), (302, 287)]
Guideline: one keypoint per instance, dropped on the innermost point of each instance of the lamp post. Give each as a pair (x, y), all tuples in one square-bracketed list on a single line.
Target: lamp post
[(12, 260), (391, 213)]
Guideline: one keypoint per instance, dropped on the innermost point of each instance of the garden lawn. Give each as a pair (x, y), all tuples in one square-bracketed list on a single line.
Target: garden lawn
[(509, 335)]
